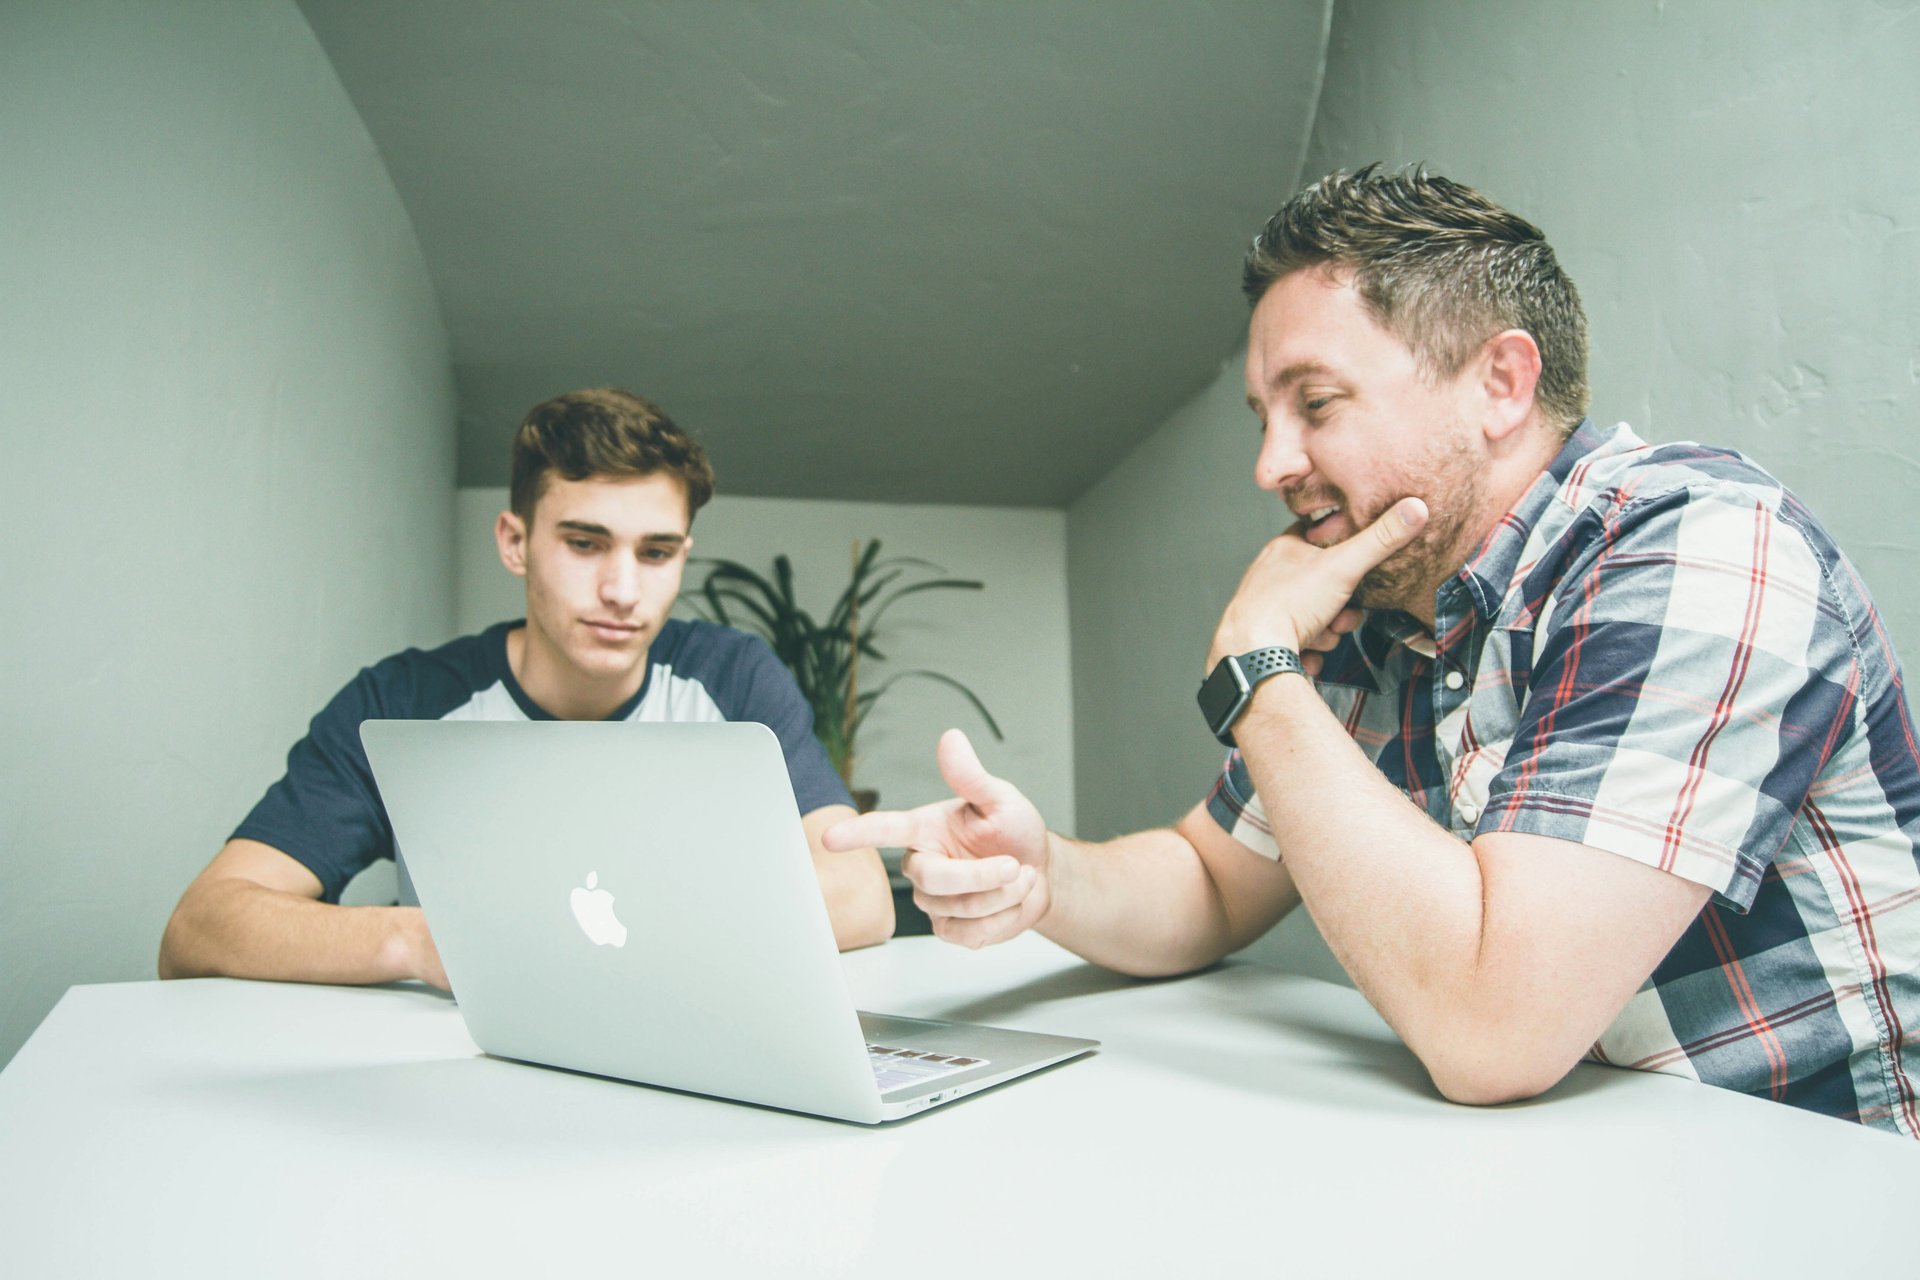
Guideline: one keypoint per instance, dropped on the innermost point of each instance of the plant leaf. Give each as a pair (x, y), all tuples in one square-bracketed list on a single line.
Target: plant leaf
[(868, 699), (935, 584), (717, 596), (821, 656)]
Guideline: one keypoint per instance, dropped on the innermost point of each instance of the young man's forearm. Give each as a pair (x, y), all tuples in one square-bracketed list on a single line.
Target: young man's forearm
[(854, 883), (859, 898), (237, 928)]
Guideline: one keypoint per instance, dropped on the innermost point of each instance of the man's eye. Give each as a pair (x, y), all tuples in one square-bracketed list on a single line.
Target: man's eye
[(580, 544)]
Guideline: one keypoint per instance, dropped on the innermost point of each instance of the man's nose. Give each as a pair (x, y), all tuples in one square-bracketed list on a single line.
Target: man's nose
[(1283, 457), (620, 582)]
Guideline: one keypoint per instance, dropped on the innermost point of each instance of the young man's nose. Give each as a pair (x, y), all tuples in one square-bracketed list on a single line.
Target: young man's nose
[(620, 583)]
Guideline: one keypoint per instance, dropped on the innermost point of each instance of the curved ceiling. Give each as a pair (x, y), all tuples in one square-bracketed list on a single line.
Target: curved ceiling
[(914, 252)]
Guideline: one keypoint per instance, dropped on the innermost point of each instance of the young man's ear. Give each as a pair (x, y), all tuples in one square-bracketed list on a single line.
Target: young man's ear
[(1509, 370), (510, 535)]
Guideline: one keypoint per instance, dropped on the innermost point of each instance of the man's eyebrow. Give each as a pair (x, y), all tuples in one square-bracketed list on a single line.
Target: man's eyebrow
[(601, 531), (1298, 371)]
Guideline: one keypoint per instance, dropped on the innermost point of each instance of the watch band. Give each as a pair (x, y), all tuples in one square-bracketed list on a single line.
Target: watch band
[(1224, 694), (1271, 661)]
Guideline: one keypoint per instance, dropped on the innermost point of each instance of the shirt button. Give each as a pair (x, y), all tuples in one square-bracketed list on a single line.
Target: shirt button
[(1454, 680), (1469, 814)]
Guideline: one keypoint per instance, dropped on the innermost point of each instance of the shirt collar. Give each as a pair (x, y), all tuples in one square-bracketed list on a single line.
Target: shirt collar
[(1489, 575)]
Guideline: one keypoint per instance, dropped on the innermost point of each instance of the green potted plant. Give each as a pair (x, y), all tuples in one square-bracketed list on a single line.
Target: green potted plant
[(825, 656)]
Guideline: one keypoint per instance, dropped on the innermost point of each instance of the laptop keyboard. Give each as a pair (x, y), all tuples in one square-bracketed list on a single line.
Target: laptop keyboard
[(893, 1068)]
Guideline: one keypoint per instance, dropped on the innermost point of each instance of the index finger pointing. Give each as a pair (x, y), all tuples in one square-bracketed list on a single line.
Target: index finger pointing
[(883, 830)]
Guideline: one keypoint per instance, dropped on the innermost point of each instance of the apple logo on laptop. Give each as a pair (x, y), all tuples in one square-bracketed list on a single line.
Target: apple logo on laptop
[(593, 908)]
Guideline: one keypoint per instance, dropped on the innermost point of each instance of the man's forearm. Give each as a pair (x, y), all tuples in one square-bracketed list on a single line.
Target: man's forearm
[(236, 928), (1142, 904), (1398, 899), (853, 881), (859, 897)]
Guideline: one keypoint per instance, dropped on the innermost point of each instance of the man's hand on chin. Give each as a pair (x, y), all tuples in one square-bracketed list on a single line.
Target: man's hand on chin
[(1300, 596)]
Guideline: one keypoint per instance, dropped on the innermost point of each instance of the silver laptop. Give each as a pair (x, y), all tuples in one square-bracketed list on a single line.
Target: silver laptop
[(638, 901)]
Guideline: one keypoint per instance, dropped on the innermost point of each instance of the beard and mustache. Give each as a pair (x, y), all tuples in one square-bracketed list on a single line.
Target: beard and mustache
[(1448, 479)]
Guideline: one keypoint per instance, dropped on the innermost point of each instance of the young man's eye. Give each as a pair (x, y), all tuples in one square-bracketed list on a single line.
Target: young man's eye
[(582, 545)]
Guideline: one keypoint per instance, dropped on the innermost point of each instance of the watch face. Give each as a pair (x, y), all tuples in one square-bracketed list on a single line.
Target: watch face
[(1221, 695)]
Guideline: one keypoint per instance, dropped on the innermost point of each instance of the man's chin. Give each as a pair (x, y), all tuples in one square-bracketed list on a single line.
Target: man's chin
[(602, 661), (1388, 586)]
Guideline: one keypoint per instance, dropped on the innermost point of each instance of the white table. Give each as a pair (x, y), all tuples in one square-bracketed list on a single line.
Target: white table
[(1238, 1120)]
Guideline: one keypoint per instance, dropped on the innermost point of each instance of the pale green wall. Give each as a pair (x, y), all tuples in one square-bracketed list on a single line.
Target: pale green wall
[(1008, 643), (1733, 189), (228, 430), (1153, 553)]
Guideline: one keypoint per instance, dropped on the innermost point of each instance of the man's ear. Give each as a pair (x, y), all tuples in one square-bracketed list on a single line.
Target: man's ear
[(1509, 374), (510, 535)]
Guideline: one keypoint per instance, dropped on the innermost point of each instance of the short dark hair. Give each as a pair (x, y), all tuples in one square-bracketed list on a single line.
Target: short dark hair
[(1439, 266), (604, 431)]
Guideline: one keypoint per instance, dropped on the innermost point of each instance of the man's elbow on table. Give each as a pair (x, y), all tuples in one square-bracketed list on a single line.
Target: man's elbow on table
[(186, 949), (1479, 1078), (1489, 1048), (170, 962)]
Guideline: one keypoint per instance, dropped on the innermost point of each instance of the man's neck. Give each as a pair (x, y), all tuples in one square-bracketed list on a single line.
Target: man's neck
[(1507, 481), (560, 691)]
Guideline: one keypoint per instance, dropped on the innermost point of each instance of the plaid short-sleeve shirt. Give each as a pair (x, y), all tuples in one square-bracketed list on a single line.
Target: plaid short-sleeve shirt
[(1659, 652)]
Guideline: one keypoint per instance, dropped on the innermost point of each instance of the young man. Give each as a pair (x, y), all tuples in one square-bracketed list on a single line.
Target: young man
[(1572, 745), (605, 488)]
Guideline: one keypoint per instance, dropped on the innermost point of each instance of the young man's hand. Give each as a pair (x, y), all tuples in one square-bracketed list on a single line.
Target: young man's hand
[(978, 862), (418, 955)]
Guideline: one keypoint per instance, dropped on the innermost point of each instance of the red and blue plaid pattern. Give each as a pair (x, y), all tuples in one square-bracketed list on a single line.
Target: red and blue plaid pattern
[(1660, 652)]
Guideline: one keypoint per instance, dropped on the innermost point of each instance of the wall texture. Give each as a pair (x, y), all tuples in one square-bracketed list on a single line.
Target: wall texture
[(228, 425), (1736, 200), (1008, 643), (1153, 553)]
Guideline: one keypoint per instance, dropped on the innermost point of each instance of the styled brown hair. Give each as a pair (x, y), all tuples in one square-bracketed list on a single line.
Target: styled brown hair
[(604, 431), (1439, 266)]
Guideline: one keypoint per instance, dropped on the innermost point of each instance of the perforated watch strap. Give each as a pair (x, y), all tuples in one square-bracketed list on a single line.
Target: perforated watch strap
[(1261, 663), (1249, 669)]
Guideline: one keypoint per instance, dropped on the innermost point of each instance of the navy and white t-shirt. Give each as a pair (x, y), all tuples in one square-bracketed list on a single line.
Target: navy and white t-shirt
[(326, 812)]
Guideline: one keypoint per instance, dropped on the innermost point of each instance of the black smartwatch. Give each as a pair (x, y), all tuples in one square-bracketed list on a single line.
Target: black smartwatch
[(1225, 693)]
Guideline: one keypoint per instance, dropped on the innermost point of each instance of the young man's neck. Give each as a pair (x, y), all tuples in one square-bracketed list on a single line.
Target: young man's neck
[(562, 692)]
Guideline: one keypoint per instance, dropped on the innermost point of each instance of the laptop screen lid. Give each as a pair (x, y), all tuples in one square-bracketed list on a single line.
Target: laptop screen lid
[(636, 901)]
